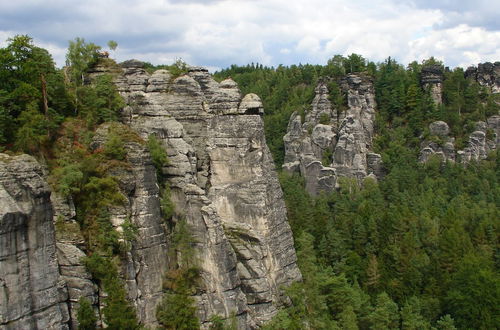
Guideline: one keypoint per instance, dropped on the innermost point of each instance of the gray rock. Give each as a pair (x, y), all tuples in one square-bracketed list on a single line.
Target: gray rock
[(481, 142), (346, 137), (486, 74), (431, 77), (251, 105), (32, 295), (146, 262), (439, 128), (223, 183)]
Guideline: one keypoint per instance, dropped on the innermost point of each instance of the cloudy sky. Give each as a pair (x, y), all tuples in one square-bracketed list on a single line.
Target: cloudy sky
[(218, 33)]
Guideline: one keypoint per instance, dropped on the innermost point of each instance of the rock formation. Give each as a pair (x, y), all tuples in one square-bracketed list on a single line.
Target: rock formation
[(483, 140), (32, 295), (222, 181), (486, 74), (486, 136), (431, 78), (331, 143)]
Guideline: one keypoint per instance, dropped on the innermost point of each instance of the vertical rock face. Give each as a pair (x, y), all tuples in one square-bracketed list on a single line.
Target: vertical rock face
[(330, 143), (145, 263), (31, 293), (223, 183), (431, 78), (70, 243)]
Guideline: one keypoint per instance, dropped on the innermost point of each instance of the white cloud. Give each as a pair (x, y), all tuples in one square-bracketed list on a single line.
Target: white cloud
[(218, 33), (462, 45)]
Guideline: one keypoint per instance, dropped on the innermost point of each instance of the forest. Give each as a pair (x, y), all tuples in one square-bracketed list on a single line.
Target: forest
[(416, 250)]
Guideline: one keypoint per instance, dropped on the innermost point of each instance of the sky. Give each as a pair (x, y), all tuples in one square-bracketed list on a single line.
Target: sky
[(218, 33)]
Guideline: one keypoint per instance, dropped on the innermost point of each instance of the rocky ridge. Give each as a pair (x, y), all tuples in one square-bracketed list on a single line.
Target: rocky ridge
[(330, 143)]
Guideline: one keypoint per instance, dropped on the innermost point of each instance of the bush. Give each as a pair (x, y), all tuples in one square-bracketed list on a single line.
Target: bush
[(158, 154), (85, 315)]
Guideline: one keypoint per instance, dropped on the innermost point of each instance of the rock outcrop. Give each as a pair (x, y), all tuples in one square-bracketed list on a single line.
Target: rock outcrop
[(223, 183), (486, 136), (32, 294), (431, 79), (483, 140), (331, 143), (486, 74)]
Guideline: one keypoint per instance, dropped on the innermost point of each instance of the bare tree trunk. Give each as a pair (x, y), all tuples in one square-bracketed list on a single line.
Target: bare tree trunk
[(44, 95)]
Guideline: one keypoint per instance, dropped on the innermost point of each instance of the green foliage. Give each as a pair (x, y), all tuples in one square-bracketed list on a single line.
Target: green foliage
[(474, 294), (219, 323), (385, 313), (177, 309), (99, 102), (32, 96), (177, 69), (327, 158), (166, 204), (118, 312), (85, 315), (114, 148), (324, 119), (79, 58), (112, 44), (158, 154), (428, 232)]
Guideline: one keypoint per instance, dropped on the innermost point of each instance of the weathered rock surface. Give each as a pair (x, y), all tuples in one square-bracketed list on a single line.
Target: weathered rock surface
[(146, 262), (481, 142), (486, 74), (223, 183), (70, 244), (32, 295), (431, 78), (485, 137), (330, 143)]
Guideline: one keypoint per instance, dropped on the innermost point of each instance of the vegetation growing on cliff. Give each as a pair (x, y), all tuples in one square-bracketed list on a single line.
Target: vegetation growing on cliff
[(417, 250), (399, 253)]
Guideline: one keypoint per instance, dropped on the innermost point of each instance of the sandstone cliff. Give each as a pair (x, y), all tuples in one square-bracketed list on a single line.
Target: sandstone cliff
[(223, 182), (32, 294), (331, 143)]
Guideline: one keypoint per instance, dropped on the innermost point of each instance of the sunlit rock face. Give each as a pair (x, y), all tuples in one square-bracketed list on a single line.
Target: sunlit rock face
[(223, 183)]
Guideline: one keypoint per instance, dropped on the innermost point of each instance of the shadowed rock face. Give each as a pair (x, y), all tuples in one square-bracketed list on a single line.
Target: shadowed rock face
[(330, 143), (31, 293), (223, 182)]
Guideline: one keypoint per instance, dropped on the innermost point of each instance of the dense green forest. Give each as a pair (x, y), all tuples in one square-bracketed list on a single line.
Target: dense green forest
[(417, 250)]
